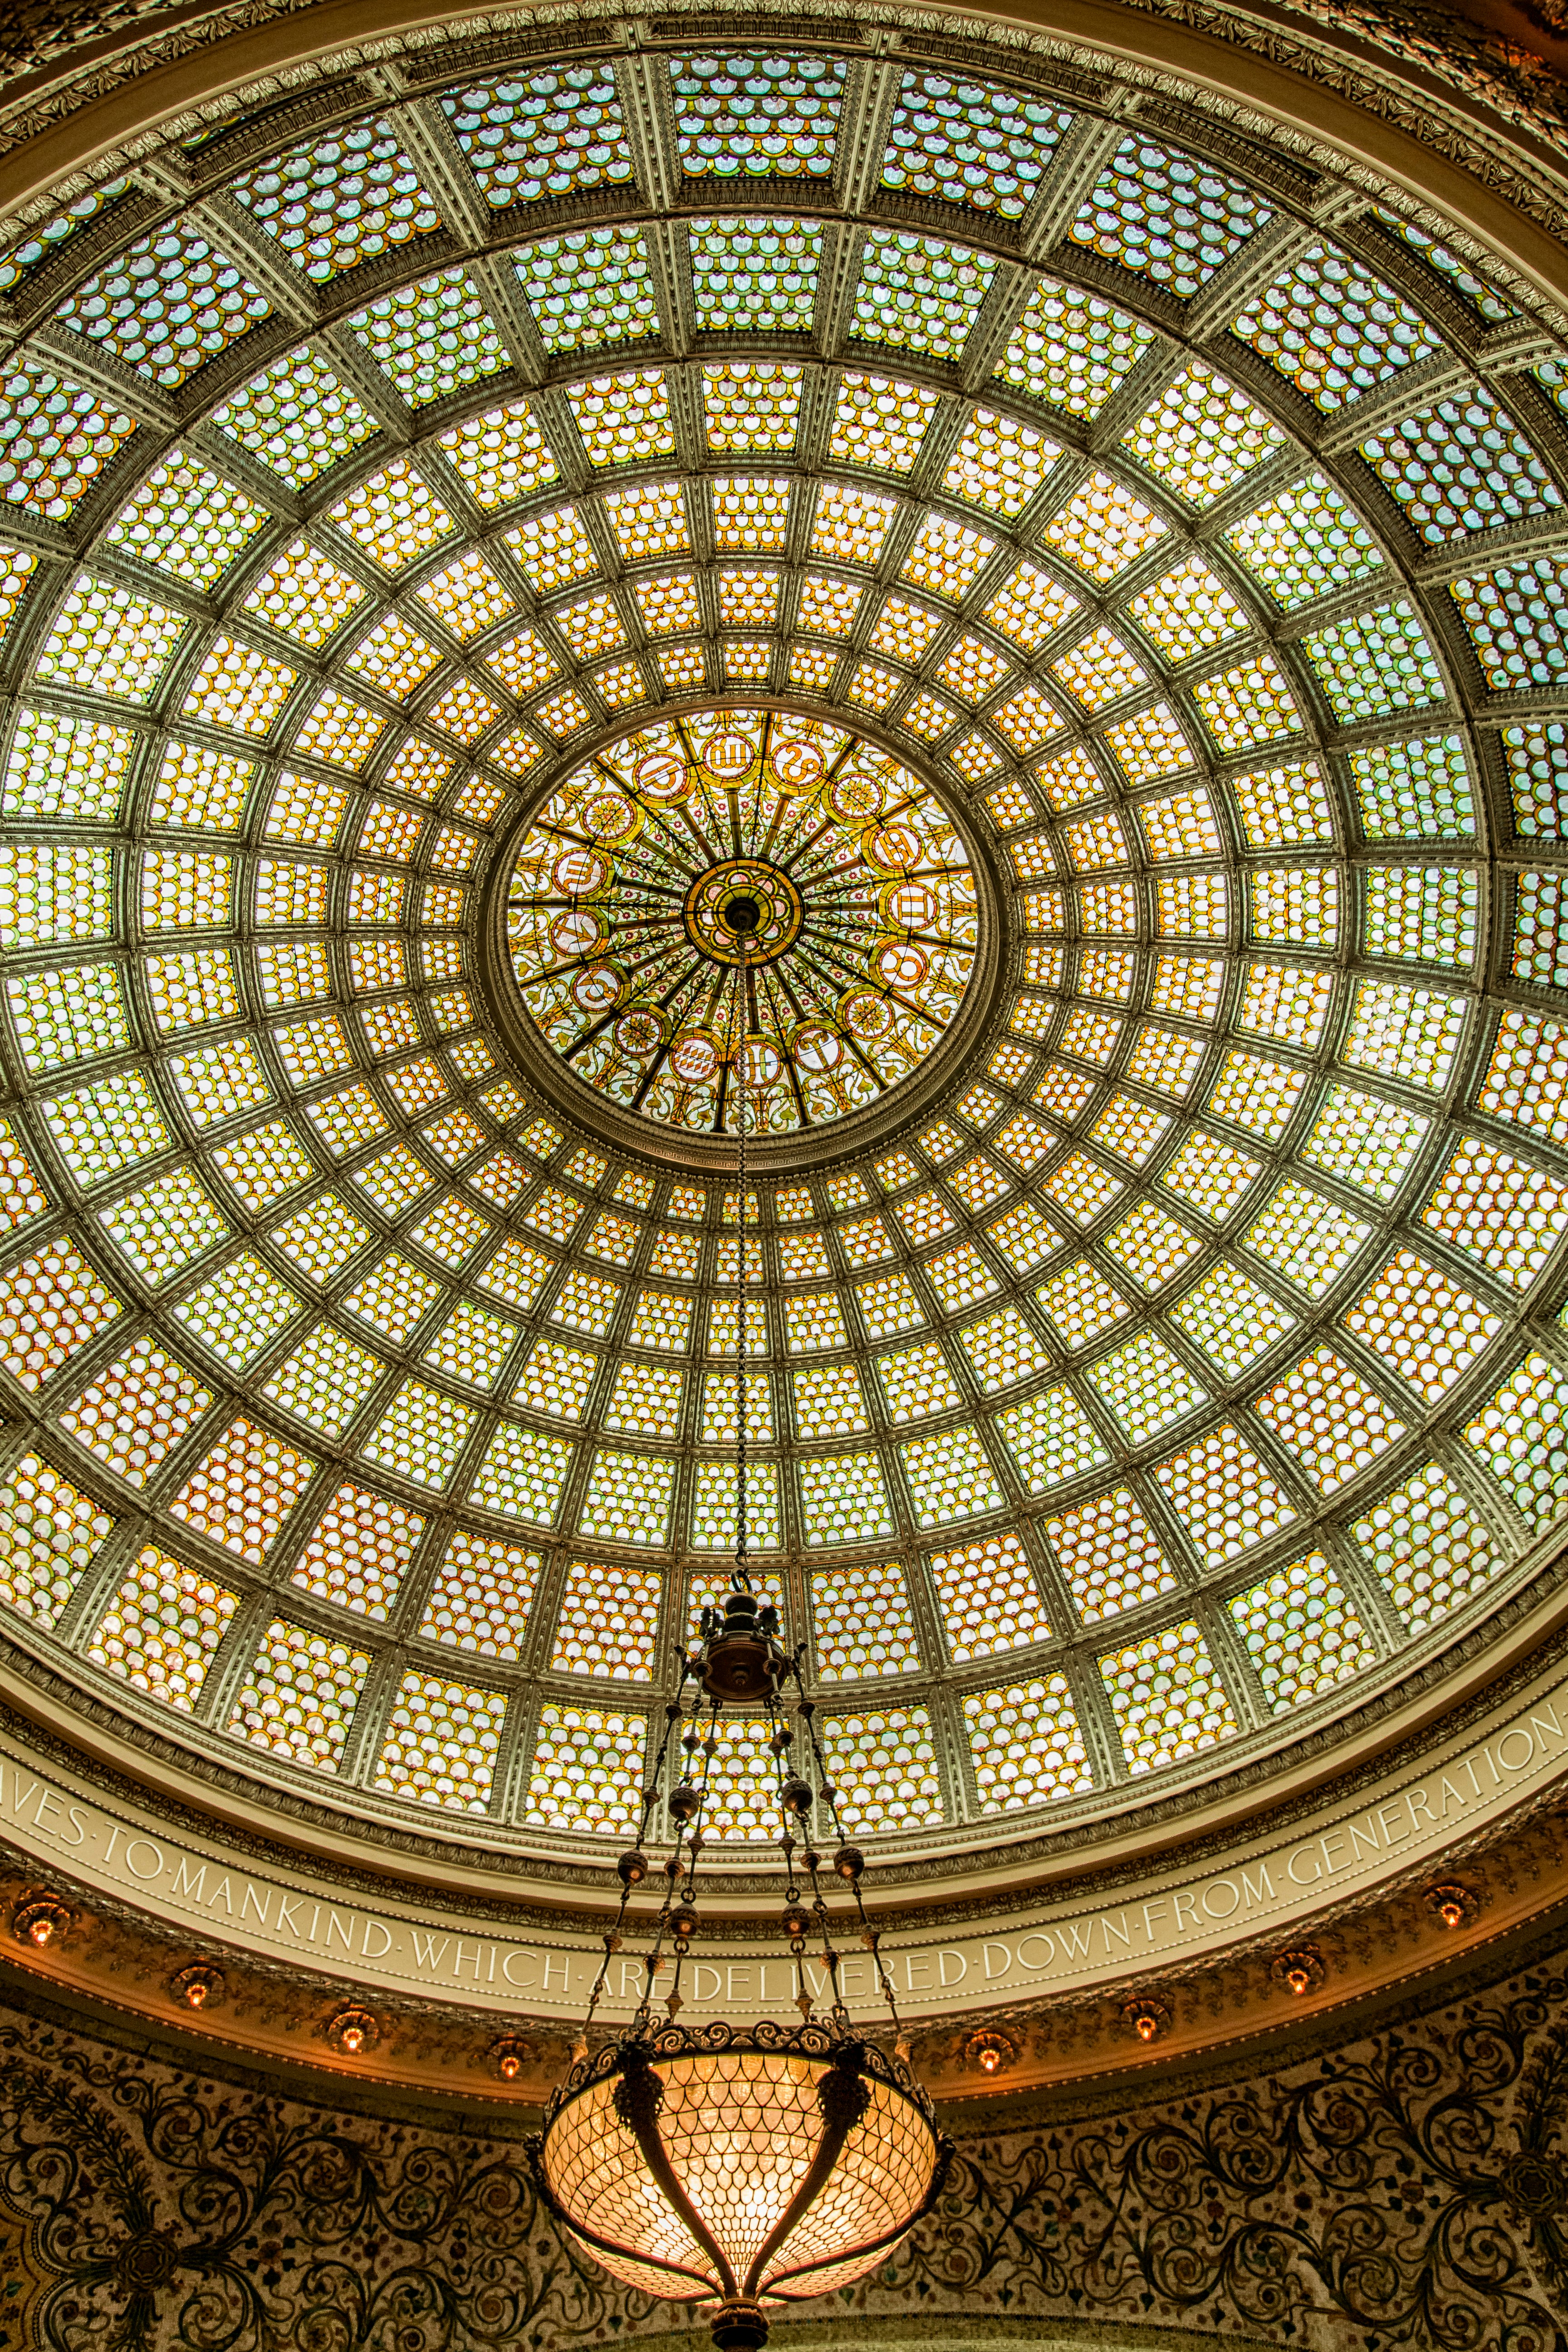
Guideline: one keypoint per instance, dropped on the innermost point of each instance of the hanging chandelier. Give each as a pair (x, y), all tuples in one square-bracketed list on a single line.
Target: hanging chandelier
[(741, 2167)]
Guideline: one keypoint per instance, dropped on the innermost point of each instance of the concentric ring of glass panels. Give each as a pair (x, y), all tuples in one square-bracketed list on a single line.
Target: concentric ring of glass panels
[(1198, 1360)]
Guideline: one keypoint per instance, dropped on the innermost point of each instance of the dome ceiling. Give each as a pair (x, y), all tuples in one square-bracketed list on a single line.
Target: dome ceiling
[(455, 540)]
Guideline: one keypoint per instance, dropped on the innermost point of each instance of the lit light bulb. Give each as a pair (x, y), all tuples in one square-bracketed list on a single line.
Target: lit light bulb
[(195, 1994), (1146, 2027), (990, 2059), (353, 2039), (1299, 1980), (42, 1931), (1452, 1914), (510, 2066)]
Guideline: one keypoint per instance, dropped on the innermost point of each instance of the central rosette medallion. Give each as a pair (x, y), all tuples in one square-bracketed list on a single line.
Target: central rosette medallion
[(742, 891), (743, 907)]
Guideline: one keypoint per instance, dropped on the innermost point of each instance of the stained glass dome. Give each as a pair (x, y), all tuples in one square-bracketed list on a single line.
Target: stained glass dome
[(741, 904), (462, 530)]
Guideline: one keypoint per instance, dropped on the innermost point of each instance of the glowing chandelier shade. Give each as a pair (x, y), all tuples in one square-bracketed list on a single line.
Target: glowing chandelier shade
[(739, 2168)]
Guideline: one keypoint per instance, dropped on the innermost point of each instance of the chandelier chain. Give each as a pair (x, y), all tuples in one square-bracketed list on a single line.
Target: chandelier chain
[(672, 1716), (741, 1333), (869, 1936), (652, 1790), (689, 1841)]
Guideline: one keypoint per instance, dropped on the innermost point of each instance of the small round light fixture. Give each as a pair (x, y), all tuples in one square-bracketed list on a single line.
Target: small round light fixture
[(199, 1987), (507, 2057), (41, 1920), (990, 2052), (1147, 2015), (353, 2030), (1453, 1905), (1300, 1971)]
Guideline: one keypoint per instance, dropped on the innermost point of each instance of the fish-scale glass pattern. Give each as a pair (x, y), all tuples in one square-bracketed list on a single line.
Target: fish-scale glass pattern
[(1167, 216), (753, 115), (536, 135), (340, 202), (1173, 1329), (1333, 330), (970, 143), (167, 308)]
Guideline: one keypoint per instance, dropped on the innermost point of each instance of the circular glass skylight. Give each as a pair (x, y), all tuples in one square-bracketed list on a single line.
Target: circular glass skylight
[(742, 902), (1172, 1358)]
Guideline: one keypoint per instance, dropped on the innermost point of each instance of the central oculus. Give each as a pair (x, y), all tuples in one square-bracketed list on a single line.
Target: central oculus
[(742, 891)]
